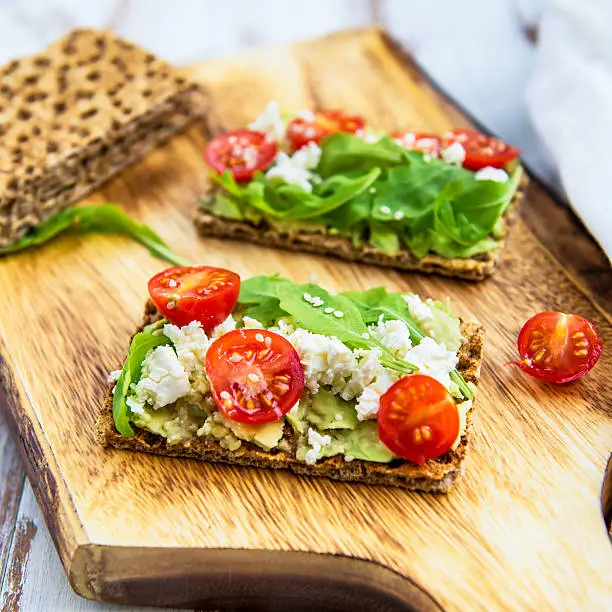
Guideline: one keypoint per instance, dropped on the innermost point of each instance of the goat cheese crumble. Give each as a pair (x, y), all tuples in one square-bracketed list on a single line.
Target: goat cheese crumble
[(163, 381), (453, 154), (418, 309), (318, 443), (488, 173), (297, 168), (270, 122)]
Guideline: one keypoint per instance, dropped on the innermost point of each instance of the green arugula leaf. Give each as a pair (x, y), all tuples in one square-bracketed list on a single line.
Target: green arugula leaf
[(342, 318), (383, 236), (467, 212), (377, 301), (256, 289), (412, 189), (142, 343), (267, 312), (101, 219), (278, 200), (343, 153)]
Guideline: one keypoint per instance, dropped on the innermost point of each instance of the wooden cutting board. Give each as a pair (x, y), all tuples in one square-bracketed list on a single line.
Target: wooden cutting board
[(523, 530)]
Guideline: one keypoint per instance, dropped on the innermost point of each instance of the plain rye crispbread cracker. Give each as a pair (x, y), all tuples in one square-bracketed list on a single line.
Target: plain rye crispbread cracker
[(473, 268), (76, 115), (438, 475)]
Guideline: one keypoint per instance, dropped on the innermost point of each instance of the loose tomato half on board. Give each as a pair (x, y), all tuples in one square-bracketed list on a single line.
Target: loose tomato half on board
[(418, 418), (195, 293), (558, 347), (242, 152), (482, 150), (256, 375), (301, 131)]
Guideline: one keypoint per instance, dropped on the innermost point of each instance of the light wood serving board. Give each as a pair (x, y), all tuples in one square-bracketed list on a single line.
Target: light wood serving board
[(523, 530)]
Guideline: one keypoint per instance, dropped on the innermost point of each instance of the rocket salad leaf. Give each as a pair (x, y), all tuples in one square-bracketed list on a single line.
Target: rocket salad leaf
[(101, 219), (337, 316)]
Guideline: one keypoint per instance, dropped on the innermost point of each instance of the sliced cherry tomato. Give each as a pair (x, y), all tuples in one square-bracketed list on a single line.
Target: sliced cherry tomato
[(429, 144), (418, 418), (256, 375), (302, 131), (558, 347), (242, 153), (482, 150), (195, 293)]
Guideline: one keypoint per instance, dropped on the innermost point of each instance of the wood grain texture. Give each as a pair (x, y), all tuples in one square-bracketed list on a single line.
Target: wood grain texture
[(524, 529)]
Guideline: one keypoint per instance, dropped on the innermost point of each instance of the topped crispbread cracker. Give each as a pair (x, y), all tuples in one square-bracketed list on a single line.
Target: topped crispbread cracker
[(78, 113), (287, 380), (325, 182)]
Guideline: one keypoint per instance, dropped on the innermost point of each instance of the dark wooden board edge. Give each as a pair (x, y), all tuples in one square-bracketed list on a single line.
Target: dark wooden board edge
[(233, 579), (35, 459)]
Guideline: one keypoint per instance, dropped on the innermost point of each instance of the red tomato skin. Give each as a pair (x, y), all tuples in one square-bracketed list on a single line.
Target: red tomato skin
[(572, 371), (444, 425), (218, 153), (227, 376), (209, 310), (301, 131), (481, 150)]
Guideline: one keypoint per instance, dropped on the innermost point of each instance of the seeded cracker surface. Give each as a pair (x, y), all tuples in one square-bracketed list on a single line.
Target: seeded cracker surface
[(438, 475), (76, 115)]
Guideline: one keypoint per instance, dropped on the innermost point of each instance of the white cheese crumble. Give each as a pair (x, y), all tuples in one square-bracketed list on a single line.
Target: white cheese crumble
[(162, 382), (407, 140), (297, 169), (453, 154), (318, 444), (368, 402), (270, 122), (228, 325), (418, 309), (190, 343), (433, 359), (113, 376), (250, 323), (394, 334), (488, 173)]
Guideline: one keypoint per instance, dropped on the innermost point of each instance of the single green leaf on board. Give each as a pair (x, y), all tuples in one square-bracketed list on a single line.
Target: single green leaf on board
[(101, 219)]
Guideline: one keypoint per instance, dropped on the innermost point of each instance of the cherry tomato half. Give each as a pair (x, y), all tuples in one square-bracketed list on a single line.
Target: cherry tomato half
[(256, 375), (302, 131), (429, 144), (558, 347), (242, 153), (418, 418), (195, 293), (482, 150)]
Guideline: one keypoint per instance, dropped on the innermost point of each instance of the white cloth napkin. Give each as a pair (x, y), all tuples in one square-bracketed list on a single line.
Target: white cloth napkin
[(570, 100)]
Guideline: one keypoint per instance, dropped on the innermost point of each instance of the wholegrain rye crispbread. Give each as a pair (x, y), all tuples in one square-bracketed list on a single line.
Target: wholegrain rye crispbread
[(473, 268), (78, 113), (438, 475)]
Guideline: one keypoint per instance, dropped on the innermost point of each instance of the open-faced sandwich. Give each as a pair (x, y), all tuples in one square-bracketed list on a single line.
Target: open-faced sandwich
[(365, 386), (324, 183)]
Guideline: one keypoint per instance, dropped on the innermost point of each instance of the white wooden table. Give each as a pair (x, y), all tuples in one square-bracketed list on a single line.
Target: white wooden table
[(184, 31)]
